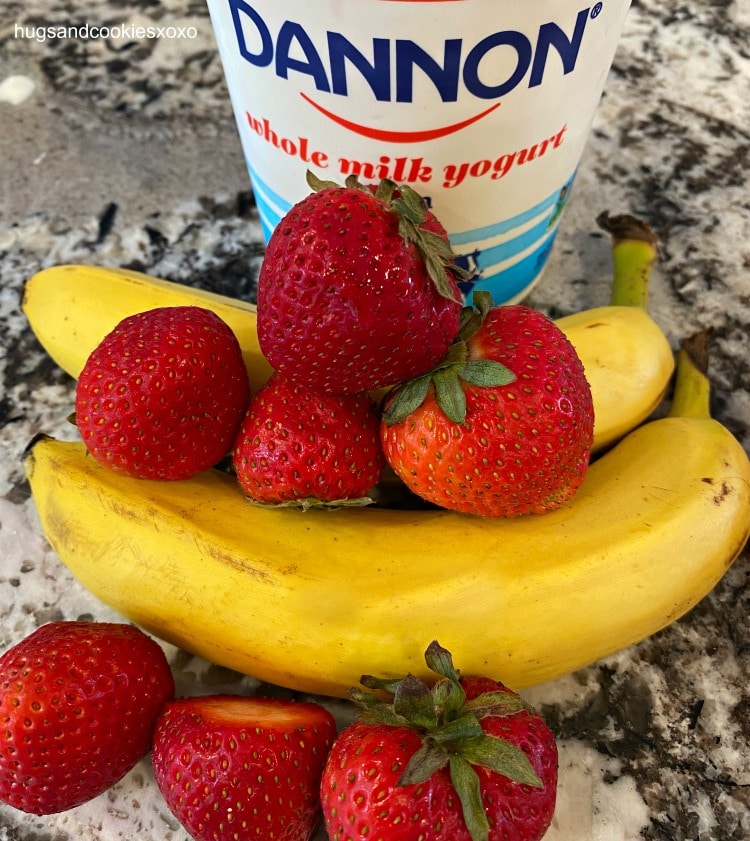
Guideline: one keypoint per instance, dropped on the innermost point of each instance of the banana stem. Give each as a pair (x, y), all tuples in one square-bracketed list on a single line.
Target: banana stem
[(634, 252), (692, 390)]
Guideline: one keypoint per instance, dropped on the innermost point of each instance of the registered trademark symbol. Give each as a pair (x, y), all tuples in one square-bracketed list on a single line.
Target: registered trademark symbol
[(595, 10)]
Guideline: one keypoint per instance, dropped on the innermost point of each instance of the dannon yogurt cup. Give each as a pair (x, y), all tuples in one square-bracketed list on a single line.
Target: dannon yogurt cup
[(482, 106)]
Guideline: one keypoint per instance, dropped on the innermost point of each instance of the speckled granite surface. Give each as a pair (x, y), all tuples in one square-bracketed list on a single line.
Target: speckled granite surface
[(125, 153)]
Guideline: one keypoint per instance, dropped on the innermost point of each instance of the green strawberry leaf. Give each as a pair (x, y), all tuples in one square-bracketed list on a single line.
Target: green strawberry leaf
[(424, 763), (373, 711), (389, 684), (308, 502), (435, 250), (385, 190), (414, 702), (501, 757), (440, 256), (482, 300), (466, 783), (317, 184), (449, 698), (457, 354), (382, 715), (363, 699), (467, 312), (407, 229), (437, 245), (495, 703), (485, 373), (466, 727), (408, 398), (473, 317), (449, 394), (440, 660), (409, 206)]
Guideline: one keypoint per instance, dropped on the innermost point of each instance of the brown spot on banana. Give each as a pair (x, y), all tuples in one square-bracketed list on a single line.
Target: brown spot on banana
[(723, 494), (724, 491), (231, 560)]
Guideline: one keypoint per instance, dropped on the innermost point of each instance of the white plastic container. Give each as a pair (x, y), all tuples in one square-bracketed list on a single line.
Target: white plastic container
[(482, 106)]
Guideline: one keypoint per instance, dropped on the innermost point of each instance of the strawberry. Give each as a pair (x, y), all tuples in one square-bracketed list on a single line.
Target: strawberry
[(463, 760), (296, 446), (503, 426), (163, 394), (357, 288), (233, 767), (78, 705)]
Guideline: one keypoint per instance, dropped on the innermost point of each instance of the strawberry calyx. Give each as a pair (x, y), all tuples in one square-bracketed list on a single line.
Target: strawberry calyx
[(451, 731), (411, 212), (307, 502), (456, 367)]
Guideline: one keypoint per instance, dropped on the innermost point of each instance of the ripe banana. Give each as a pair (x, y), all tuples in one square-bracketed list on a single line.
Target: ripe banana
[(71, 308), (627, 358), (311, 600)]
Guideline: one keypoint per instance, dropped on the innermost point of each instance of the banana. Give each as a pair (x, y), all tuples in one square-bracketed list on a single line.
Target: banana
[(71, 308), (311, 600), (627, 358)]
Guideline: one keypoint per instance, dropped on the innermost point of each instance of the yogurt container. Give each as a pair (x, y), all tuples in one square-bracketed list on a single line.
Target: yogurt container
[(482, 106)]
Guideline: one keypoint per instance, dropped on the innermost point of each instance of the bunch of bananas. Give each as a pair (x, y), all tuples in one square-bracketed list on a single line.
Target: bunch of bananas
[(310, 600)]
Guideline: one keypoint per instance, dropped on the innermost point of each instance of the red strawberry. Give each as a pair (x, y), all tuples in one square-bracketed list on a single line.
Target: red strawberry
[(357, 289), (504, 426), (299, 446), (232, 767), (465, 760), (162, 395), (78, 705)]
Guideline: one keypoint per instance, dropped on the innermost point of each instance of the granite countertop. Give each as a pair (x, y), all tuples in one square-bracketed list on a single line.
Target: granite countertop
[(125, 153)]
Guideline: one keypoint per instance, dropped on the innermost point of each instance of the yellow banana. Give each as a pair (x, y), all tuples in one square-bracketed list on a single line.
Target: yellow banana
[(311, 600), (627, 358), (71, 308)]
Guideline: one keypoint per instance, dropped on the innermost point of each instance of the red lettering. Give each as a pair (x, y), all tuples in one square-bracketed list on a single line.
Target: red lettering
[(455, 174), (294, 147), (400, 170)]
